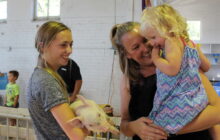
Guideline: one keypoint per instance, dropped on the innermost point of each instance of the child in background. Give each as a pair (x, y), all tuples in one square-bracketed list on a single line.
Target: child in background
[(12, 92), (47, 97), (180, 95)]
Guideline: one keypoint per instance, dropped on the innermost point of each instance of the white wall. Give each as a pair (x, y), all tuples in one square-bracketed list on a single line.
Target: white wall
[(90, 21), (208, 12)]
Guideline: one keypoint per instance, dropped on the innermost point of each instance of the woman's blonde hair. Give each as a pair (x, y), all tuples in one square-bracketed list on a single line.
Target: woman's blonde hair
[(45, 35), (166, 20), (128, 66)]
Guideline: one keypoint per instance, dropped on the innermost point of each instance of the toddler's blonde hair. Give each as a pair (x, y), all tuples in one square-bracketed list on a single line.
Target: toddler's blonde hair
[(166, 20)]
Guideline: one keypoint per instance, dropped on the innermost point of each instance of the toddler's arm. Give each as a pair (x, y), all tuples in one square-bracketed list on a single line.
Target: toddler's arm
[(169, 65), (205, 64), (16, 100), (5, 100)]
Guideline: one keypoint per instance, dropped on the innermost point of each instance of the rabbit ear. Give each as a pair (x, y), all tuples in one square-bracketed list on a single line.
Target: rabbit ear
[(76, 122), (82, 99)]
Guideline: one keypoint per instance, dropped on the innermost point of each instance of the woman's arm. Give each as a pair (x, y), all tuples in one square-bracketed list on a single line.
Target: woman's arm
[(125, 98), (215, 132), (210, 115), (171, 64), (141, 126), (62, 113)]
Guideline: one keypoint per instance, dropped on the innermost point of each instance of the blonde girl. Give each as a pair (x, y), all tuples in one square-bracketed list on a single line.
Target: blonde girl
[(46, 95), (180, 95)]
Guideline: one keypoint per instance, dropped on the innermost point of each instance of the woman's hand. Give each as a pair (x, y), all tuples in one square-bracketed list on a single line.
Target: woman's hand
[(146, 130)]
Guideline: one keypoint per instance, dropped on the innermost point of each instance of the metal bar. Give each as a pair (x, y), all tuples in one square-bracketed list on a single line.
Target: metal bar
[(7, 128), (108, 136), (95, 136), (17, 128), (27, 130)]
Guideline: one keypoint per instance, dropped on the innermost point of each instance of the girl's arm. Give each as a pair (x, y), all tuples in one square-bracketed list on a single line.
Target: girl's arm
[(62, 113), (205, 63), (140, 126), (171, 64), (5, 100)]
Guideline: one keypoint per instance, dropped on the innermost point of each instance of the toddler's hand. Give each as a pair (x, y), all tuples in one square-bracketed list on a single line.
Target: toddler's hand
[(155, 52)]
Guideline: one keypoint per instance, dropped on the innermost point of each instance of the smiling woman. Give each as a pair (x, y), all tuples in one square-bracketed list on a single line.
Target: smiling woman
[(47, 96), (138, 87)]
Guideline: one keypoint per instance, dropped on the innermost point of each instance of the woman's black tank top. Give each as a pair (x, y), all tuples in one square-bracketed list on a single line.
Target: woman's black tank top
[(141, 103)]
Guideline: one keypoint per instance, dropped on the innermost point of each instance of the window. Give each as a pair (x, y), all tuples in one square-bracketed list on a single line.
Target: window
[(3, 10), (194, 30), (47, 9)]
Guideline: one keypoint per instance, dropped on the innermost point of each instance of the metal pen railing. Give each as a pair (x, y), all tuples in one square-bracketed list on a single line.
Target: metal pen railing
[(23, 128), (18, 131)]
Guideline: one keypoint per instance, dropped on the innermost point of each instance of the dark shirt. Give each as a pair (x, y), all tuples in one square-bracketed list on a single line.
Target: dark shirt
[(70, 73), (141, 103)]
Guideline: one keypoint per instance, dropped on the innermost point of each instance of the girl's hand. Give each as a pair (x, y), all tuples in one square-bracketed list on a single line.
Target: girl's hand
[(72, 99), (86, 131), (146, 130)]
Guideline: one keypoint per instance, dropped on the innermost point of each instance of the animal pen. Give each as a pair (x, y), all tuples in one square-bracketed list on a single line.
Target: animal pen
[(23, 129)]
